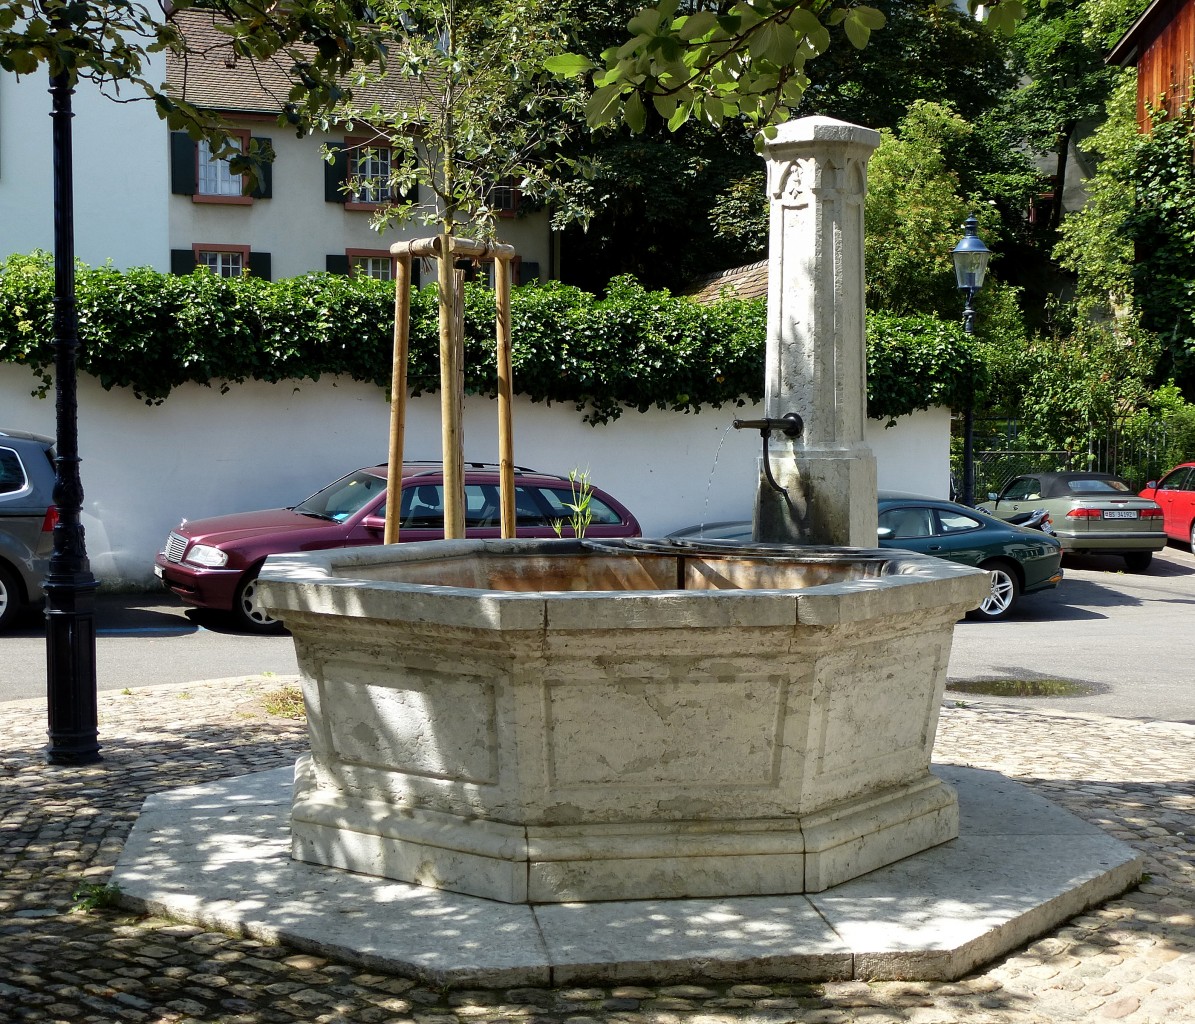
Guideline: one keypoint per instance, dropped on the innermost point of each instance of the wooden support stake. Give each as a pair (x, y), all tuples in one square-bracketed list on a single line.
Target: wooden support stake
[(451, 435), (398, 394), (444, 249), (506, 457)]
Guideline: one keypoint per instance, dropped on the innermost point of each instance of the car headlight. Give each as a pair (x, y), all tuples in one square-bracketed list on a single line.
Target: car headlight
[(205, 554)]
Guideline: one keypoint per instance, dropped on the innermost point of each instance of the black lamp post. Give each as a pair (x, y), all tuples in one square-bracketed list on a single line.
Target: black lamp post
[(70, 587), (970, 265)]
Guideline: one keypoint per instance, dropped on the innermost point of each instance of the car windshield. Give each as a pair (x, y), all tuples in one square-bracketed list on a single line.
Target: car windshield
[(1097, 485), (344, 498)]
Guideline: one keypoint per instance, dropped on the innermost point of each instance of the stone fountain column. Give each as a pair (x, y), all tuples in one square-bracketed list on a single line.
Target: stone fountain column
[(816, 357)]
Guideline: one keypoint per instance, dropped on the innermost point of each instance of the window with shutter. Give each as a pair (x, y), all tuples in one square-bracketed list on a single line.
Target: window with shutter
[(359, 174), (221, 259)]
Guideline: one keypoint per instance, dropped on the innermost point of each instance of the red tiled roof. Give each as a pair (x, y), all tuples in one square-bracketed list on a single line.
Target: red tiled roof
[(213, 77), (748, 282)]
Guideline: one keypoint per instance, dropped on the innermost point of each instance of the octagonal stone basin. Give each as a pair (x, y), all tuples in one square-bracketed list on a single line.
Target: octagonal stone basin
[(553, 721)]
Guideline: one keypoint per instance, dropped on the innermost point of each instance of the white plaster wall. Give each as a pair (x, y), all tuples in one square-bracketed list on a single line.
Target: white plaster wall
[(298, 227), (202, 453), (120, 174)]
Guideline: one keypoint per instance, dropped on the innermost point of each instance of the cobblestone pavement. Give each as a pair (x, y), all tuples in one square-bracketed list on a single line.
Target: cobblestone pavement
[(1132, 960)]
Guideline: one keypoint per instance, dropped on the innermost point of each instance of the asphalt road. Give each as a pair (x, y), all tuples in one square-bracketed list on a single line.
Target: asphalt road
[(146, 640), (1122, 641), (1123, 637)]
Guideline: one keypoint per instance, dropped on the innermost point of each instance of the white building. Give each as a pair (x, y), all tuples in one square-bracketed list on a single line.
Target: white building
[(146, 196)]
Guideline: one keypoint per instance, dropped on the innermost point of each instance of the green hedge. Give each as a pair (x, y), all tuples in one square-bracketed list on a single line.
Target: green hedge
[(151, 332)]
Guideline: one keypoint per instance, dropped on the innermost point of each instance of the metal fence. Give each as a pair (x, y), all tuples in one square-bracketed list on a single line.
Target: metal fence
[(995, 467), (1138, 457)]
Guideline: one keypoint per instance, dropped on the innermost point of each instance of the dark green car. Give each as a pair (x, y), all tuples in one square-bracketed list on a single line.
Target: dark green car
[(1021, 561)]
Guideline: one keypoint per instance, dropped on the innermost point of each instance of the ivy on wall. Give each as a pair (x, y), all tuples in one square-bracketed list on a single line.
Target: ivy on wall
[(151, 332)]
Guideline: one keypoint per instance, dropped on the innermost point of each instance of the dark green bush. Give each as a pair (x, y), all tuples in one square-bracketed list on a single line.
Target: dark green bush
[(151, 332)]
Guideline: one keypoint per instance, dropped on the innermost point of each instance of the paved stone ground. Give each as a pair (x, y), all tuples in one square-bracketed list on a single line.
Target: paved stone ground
[(1132, 960)]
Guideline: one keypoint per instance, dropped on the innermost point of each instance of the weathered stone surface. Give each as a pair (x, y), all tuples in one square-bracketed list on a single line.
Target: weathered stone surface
[(693, 752), (816, 363)]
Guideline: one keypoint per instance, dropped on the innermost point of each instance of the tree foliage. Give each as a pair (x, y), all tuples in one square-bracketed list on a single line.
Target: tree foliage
[(1068, 82), (725, 59), (914, 213), (1130, 246), (1161, 227), (925, 51), (1093, 242), (651, 196), (486, 116), (1074, 384)]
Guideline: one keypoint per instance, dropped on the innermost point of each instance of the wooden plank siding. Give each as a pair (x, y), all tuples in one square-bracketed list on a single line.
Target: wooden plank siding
[(1162, 46), (1165, 67)]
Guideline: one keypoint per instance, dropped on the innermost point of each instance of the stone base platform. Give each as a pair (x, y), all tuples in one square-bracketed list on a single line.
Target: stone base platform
[(637, 861), (219, 856)]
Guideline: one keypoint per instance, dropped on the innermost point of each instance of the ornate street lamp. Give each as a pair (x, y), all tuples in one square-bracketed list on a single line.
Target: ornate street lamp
[(970, 266), (70, 587)]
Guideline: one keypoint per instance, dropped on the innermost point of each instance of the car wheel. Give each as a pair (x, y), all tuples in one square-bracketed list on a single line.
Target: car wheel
[(1003, 595), (1138, 561), (10, 597), (1193, 537), (247, 609)]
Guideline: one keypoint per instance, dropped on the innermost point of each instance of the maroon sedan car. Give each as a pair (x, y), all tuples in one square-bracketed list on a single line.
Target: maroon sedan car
[(213, 563), (1175, 492)]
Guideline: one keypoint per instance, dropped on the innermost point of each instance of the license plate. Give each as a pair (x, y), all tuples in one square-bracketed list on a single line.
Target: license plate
[(1120, 514), (158, 571)]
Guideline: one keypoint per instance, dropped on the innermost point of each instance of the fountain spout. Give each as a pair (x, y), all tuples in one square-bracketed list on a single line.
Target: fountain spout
[(790, 425)]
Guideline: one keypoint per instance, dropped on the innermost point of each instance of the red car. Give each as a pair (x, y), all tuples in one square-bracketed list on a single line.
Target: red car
[(1175, 492), (213, 563)]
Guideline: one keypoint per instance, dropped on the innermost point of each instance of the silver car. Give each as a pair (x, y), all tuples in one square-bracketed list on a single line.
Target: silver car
[(1092, 513), (27, 516)]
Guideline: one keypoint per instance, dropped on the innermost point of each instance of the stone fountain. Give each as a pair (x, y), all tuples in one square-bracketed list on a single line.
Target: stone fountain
[(628, 760), (538, 722)]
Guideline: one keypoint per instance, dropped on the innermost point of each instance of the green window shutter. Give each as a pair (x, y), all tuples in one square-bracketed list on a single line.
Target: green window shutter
[(336, 263), (336, 174), (182, 262), (182, 164), (264, 189), (259, 265)]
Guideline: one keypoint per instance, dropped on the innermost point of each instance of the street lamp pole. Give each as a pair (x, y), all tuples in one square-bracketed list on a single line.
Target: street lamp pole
[(970, 265), (69, 585)]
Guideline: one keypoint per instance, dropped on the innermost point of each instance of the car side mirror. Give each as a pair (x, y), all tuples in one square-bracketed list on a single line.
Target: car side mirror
[(374, 523), (993, 496), (884, 533), (1151, 485)]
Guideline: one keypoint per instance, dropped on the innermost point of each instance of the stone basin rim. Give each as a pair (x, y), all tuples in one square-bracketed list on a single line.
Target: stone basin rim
[(405, 581), (336, 566)]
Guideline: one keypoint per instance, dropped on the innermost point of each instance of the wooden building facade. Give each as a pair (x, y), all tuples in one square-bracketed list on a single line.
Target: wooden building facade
[(1161, 44)]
